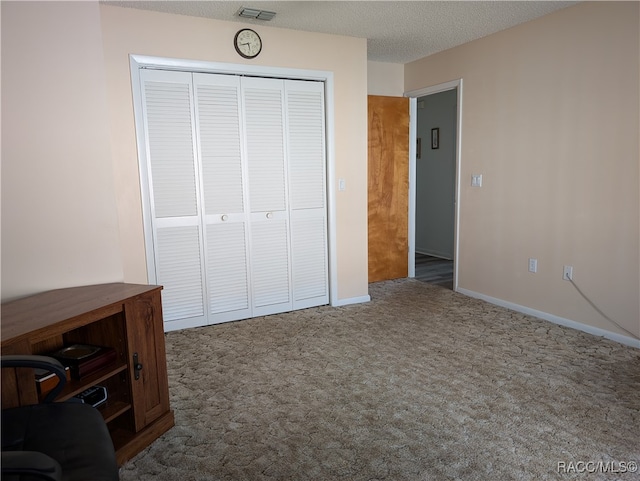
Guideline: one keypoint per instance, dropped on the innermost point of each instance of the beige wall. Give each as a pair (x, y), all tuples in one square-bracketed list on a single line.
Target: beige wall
[(551, 120), (384, 78), (59, 218), (71, 208)]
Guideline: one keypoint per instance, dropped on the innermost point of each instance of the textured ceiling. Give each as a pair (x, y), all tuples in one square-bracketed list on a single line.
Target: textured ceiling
[(398, 32)]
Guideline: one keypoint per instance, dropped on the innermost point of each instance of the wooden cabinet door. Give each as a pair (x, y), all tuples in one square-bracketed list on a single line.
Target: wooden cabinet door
[(145, 333)]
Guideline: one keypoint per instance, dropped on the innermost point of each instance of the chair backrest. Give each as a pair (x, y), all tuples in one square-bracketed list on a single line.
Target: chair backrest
[(38, 362), (55, 440)]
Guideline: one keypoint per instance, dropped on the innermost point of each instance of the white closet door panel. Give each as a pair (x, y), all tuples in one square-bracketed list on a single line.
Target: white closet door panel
[(237, 182), (309, 259), (270, 266), (263, 101), (179, 270), (217, 100), (306, 147), (167, 101), (227, 269), (307, 174)]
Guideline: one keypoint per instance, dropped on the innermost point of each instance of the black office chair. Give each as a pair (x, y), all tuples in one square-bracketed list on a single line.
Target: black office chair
[(54, 441)]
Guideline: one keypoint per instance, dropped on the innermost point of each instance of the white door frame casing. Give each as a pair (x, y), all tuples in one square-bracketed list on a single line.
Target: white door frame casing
[(138, 62), (413, 127)]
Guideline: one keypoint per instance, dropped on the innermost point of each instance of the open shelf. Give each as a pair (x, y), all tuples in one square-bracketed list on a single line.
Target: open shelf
[(76, 386), (112, 410)]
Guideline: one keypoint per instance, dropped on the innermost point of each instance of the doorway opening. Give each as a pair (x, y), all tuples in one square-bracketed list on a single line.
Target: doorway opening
[(434, 183)]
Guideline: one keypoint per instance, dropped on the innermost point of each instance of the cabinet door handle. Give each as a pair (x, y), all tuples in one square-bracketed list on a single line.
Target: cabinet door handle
[(137, 367), (269, 215), (224, 217)]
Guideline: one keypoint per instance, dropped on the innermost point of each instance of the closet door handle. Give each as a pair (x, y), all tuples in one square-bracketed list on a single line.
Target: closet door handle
[(269, 215), (224, 217)]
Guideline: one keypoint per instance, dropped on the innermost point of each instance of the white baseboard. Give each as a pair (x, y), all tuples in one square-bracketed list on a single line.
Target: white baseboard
[(626, 340), (351, 300)]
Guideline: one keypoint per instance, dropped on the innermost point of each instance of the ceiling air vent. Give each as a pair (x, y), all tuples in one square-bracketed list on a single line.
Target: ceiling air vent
[(255, 13)]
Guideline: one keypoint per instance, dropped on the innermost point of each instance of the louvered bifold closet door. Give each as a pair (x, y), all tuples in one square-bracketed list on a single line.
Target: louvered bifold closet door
[(172, 171), (307, 174), (263, 108), (217, 99)]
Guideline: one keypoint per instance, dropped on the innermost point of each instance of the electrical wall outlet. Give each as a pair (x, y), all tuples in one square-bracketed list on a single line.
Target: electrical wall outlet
[(533, 265), (567, 273)]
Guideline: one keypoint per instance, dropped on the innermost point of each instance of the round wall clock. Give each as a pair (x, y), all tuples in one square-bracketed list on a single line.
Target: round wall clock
[(247, 43)]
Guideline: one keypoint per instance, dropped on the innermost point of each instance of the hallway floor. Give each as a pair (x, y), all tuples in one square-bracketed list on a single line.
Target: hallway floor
[(434, 270)]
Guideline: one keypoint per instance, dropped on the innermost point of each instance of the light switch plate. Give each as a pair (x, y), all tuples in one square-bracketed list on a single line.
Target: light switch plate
[(476, 180)]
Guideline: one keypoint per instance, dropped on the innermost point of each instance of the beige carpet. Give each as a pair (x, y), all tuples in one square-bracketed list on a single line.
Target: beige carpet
[(421, 383)]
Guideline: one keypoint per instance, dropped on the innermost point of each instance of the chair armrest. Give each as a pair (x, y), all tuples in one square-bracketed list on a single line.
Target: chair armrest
[(38, 362), (31, 463)]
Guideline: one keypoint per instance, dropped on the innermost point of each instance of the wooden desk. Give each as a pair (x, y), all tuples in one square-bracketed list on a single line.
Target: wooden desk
[(127, 317)]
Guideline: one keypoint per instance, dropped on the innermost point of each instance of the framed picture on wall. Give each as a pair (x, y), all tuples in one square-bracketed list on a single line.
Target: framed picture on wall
[(435, 138)]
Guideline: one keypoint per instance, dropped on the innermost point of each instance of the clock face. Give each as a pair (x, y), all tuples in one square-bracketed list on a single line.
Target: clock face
[(248, 43)]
